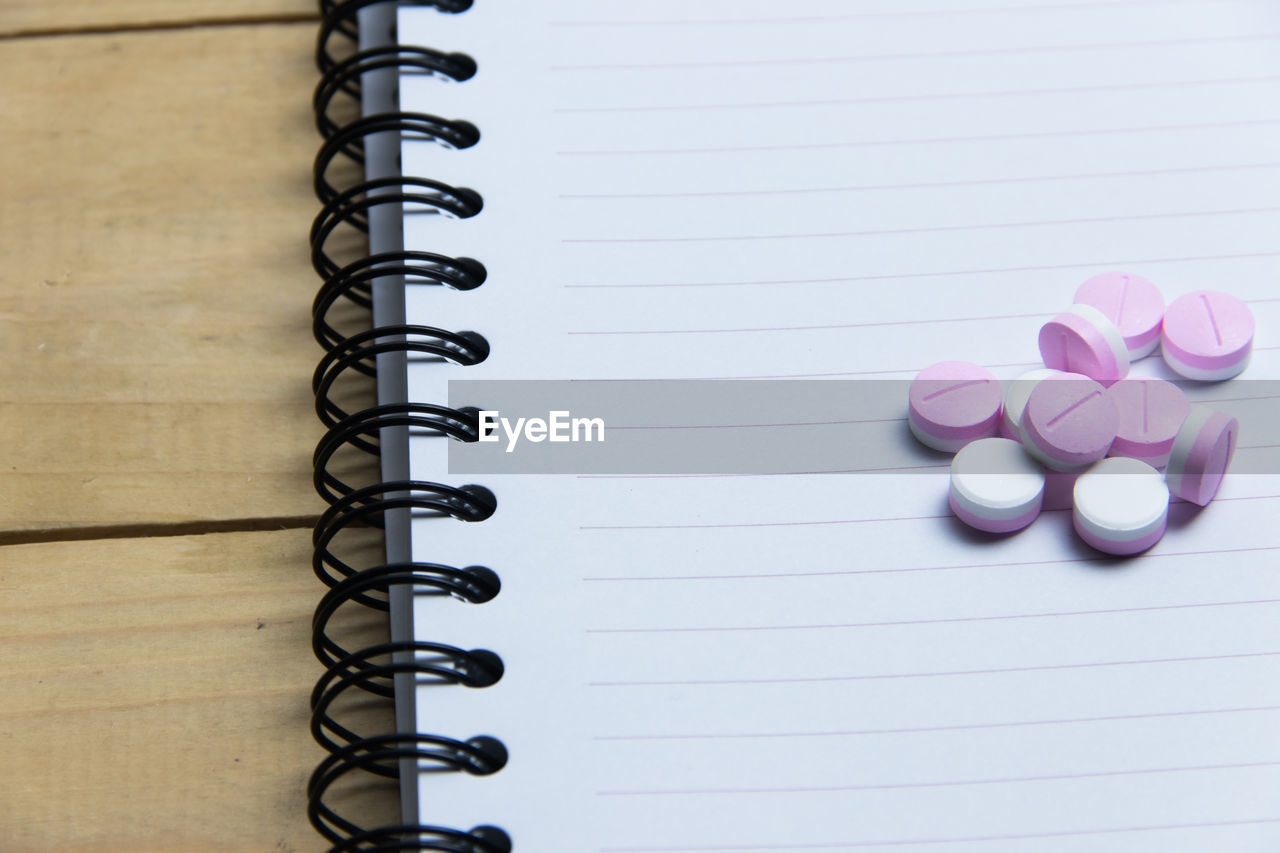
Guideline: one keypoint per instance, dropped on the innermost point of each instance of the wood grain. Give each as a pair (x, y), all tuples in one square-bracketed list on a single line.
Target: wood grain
[(155, 294), (19, 17), (154, 332), (154, 695)]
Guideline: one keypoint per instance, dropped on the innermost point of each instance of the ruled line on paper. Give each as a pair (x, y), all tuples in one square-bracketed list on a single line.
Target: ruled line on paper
[(899, 371), (877, 372), (858, 16), (931, 96), (835, 326), (1036, 50), (1238, 399), (945, 621), (826, 327), (929, 185), (852, 372), (901, 842), (760, 523), (885, 676), (1175, 502), (931, 229), (954, 783), (1066, 561), (925, 140), (937, 274), (1113, 718)]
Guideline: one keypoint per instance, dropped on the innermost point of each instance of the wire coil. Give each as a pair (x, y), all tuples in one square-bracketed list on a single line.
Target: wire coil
[(373, 670)]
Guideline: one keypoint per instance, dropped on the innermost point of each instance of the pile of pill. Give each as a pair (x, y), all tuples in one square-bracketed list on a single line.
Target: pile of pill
[(1081, 423)]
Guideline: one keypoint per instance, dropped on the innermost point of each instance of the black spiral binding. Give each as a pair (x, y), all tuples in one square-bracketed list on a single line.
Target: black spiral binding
[(373, 670)]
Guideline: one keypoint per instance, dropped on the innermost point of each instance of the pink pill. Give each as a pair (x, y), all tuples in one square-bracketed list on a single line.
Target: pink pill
[(1207, 336), (1069, 423), (1059, 486), (1016, 394), (1121, 506), (1132, 303), (953, 403), (1082, 340), (1201, 454), (1151, 413)]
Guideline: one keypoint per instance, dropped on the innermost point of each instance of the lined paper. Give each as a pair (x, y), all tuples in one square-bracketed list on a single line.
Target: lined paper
[(848, 189)]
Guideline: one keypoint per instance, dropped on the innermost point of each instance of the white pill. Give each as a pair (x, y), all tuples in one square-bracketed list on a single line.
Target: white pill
[(1016, 394), (1121, 506), (995, 486)]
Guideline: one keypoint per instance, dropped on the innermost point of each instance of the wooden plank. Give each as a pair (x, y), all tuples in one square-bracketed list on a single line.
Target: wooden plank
[(19, 17), (154, 695), (155, 294)]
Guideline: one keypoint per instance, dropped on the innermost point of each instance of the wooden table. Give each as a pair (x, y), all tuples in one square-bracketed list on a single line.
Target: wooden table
[(157, 423)]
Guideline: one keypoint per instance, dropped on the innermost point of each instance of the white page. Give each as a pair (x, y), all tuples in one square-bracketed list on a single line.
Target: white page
[(844, 189)]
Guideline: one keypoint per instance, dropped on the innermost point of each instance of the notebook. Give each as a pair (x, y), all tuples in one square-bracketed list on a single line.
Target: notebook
[(834, 193)]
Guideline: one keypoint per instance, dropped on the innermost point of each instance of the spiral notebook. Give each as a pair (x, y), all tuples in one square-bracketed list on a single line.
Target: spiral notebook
[(791, 660)]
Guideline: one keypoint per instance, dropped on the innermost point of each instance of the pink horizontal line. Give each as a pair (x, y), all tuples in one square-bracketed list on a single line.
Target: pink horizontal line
[(812, 328), (935, 54), (952, 620), (931, 729), (885, 470), (933, 229), (711, 682), (899, 842), (928, 140), (932, 96), (819, 789), (856, 16), (1008, 565), (941, 274), (1190, 170)]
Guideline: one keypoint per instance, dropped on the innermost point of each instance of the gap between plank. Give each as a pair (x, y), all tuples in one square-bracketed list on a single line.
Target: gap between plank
[(159, 26), (156, 529)]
